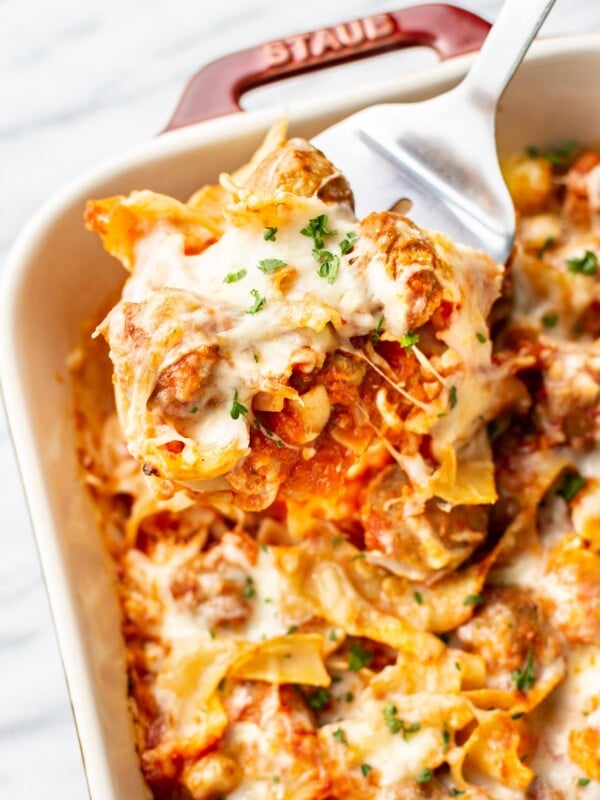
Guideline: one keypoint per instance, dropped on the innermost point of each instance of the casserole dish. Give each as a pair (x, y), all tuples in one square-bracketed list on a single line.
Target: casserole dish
[(56, 276)]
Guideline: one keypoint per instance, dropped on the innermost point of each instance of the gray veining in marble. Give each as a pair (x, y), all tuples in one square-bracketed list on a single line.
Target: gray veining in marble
[(81, 80)]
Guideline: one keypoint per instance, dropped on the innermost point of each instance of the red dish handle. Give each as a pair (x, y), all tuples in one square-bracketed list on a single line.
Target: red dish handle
[(217, 88)]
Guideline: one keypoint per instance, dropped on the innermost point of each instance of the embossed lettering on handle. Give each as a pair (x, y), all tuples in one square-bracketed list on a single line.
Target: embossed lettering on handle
[(216, 89)]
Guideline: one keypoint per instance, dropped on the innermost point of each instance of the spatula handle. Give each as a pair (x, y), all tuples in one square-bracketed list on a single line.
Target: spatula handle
[(217, 88), (503, 50)]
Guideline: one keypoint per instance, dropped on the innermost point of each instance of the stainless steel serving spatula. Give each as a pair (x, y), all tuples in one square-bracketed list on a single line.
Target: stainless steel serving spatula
[(440, 154)]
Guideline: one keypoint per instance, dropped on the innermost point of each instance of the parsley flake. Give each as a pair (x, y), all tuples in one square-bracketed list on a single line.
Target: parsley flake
[(481, 337), (418, 597), (425, 775), (474, 600), (408, 341), (397, 725), (271, 265), (571, 485), (365, 769), (269, 234), (317, 229), (292, 629), (525, 678), (547, 244), (358, 657), (193, 409), (348, 243), (587, 264), (233, 277), (550, 320), (453, 397), (340, 736), (456, 792), (237, 409), (330, 265), (249, 590), (445, 739), (276, 779), (376, 332), (560, 155), (583, 781), (318, 699), (332, 635), (258, 304)]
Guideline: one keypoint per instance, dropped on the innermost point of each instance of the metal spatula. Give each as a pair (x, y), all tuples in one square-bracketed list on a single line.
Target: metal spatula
[(440, 154)]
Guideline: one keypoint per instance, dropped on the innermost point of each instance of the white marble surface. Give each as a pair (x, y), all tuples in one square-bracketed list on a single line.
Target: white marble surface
[(80, 80)]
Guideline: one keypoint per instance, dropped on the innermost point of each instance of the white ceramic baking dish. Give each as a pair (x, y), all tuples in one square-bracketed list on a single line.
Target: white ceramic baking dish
[(57, 274)]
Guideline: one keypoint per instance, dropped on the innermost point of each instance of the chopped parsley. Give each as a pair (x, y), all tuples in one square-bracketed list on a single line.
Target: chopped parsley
[(317, 229), (332, 635), (330, 265), (481, 337), (397, 725), (425, 775), (276, 779), (408, 341), (249, 590), (517, 716), (445, 739), (547, 244), (550, 320), (233, 277), (292, 629), (349, 697), (340, 736), (525, 678), (255, 357), (570, 486), (358, 657), (193, 409), (269, 234), (560, 155), (271, 265), (264, 547), (318, 699), (456, 792), (348, 243), (258, 304), (365, 769), (583, 781), (237, 409), (418, 597), (376, 333), (587, 264), (453, 397), (474, 600), (212, 633)]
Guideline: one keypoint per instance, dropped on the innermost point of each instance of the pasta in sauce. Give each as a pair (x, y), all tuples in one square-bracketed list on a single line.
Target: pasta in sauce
[(350, 485)]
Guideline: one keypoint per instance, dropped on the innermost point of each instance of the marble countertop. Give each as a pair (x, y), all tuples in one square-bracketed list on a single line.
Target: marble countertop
[(80, 81)]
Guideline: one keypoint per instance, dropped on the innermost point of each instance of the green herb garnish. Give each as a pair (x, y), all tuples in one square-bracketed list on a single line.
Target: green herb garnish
[(340, 736), (232, 277), (408, 341), (474, 600), (587, 264), (330, 265), (318, 699), (547, 244), (269, 234), (583, 781), (445, 739), (237, 409), (249, 590), (481, 337), (453, 397), (271, 265), (258, 304), (397, 725), (348, 243), (365, 769), (358, 657), (418, 597), (525, 678), (425, 775), (317, 229), (571, 485), (550, 320), (376, 333)]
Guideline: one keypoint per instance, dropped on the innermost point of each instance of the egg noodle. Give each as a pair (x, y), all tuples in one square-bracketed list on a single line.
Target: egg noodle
[(351, 487)]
